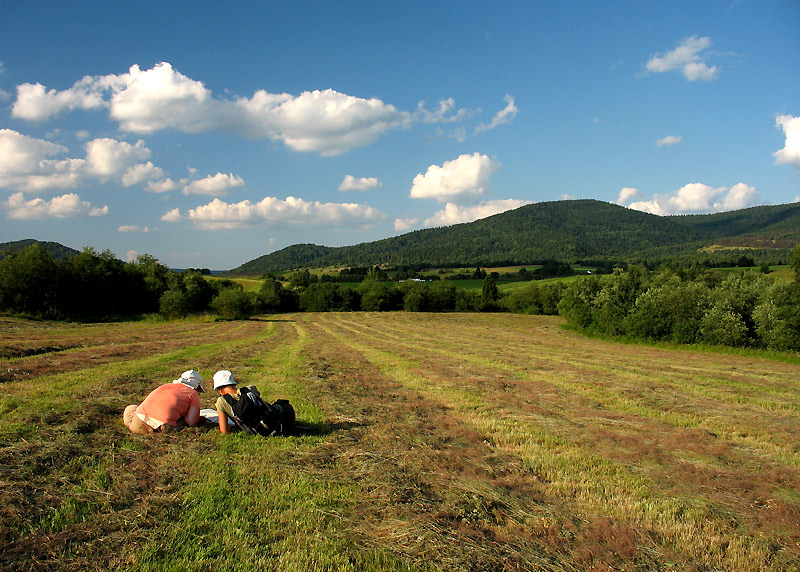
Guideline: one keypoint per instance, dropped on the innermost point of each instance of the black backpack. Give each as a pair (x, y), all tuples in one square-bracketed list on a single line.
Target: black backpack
[(254, 415)]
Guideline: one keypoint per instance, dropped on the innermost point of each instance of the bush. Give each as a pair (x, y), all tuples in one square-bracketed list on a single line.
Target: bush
[(234, 304), (672, 311), (577, 301), (777, 318), (173, 304), (723, 326), (329, 297)]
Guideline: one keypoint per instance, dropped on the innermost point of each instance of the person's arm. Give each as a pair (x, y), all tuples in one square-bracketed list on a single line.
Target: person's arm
[(192, 416), (223, 421)]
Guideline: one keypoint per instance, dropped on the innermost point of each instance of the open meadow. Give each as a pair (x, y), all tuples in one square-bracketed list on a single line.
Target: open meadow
[(447, 442)]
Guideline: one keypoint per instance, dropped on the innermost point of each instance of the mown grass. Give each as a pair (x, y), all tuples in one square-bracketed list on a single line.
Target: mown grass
[(428, 442)]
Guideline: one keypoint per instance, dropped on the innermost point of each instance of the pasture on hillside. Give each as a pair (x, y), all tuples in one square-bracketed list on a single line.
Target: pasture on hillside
[(429, 442)]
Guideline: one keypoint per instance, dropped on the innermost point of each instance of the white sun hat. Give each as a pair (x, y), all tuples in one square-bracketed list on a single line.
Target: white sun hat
[(192, 378), (222, 378)]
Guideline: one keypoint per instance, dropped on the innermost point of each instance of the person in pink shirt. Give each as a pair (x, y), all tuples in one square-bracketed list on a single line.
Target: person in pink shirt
[(167, 408)]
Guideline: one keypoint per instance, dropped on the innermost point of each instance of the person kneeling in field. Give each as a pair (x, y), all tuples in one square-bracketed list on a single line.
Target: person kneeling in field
[(167, 408)]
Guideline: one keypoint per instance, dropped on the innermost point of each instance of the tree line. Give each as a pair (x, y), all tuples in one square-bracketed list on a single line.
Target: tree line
[(672, 303), (686, 306), (95, 286)]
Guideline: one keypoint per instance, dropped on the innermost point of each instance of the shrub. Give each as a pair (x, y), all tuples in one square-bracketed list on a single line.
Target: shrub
[(173, 304), (329, 297), (576, 302), (233, 304), (723, 326), (777, 318)]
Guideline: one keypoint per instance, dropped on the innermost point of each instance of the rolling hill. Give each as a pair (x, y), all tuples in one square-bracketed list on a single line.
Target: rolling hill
[(562, 230), (59, 251)]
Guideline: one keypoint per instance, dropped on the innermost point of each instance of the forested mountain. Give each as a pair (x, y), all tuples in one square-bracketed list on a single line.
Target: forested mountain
[(568, 231), (59, 251)]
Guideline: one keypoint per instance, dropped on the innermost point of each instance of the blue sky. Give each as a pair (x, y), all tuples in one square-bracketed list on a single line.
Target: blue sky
[(207, 134)]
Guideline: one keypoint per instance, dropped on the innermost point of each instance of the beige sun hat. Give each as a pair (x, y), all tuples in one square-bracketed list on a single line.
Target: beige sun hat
[(191, 378)]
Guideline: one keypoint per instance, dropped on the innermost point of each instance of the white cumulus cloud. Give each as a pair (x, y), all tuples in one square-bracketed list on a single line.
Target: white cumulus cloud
[(26, 163), (144, 101), (626, 194), (111, 158), (505, 115), (404, 224), (172, 216), (699, 198), (463, 180), (688, 57), (351, 183), (65, 206), (142, 172), (455, 214), (669, 141), (219, 215), (790, 154), (219, 184)]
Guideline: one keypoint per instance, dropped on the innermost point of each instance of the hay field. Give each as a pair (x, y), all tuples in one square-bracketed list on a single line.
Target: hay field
[(429, 442)]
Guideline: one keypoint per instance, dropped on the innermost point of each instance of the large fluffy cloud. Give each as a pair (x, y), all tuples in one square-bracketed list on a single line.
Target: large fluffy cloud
[(144, 101), (65, 206), (688, 58), (463, 180), (694, 198), (455, 214), (220, 215), (790, 154)]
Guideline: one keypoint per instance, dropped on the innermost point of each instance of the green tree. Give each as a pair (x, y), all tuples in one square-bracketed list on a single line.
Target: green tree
[(97, 286), (30, 282), (233, 304), (794, 261), (153, 275), (577, 302), (377, 296), (173, 304), (777, 317), (329, 297), (489, 294)]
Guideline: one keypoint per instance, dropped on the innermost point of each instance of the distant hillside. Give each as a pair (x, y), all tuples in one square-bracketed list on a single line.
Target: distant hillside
[(59, 251), (561, 230)]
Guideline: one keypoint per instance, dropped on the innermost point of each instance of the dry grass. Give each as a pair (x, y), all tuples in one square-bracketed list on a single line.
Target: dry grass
[(432, 442)]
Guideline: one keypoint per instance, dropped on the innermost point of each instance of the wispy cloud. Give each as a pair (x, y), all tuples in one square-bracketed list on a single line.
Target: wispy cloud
[(669, 141), (505, 115), (688, 57)]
